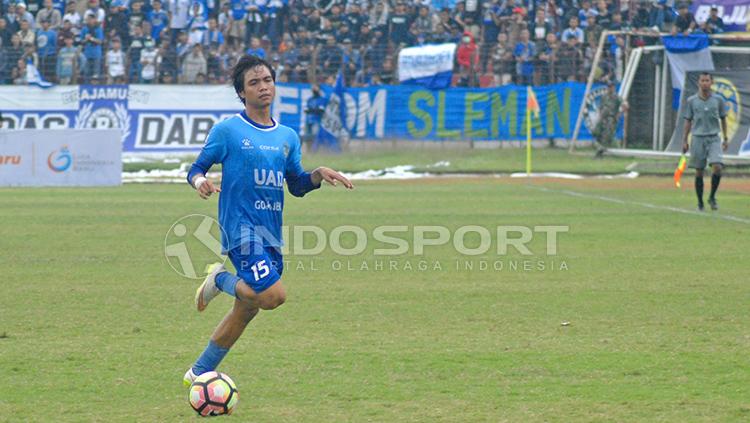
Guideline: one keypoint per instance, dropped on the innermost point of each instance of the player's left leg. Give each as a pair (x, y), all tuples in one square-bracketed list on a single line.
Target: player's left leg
[(715, 180), (715, 158)]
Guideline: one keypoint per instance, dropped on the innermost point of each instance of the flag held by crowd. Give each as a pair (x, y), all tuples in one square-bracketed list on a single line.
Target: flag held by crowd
[(33, 77), (332, 126), (430, 65)]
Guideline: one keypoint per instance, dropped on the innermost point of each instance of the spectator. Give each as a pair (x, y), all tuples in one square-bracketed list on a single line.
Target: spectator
[(148, 62), (398, 26), (603, 15), (235, 19), (26, 34), (467, 57), (19, 73), (23, 15), (13, 52), (380, 17), (355, 20), (72, 16), (116, 22), (198, 23), (166, 77), (65, 31), (30, 56), (11, 21), (638, 16), (5, 33), (159, 20), (178, 17), (593, 31), (68, 62), (215, 63), (115, 63), (272, 21), (255, 48), (92, 38), (49, 14), (212, 38), (136, 17), (685, 22), (525, 55), (569, 61), (548, 59), (97, 11), (183, 45), (541, 27), (134, 55), (167, 59), (585, 12), (330, 58), (572, 31), (46, 43), (254, 22), (502, 60), (351, 60), (194, 64), (515, 25), (616, 24), (714, 24)]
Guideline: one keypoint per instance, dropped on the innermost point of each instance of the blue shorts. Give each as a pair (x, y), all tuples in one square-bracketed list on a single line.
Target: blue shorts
[(258, 266)]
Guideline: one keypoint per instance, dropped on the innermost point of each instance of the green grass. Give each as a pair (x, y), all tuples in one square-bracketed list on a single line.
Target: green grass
[(484, 160), (95, 326), (503, 160)]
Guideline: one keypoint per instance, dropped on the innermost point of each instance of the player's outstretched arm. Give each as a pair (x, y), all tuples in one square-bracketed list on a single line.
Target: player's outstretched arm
[(329, 175)]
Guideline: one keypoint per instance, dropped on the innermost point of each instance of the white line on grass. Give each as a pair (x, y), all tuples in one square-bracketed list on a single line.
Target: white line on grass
[(646, 205)]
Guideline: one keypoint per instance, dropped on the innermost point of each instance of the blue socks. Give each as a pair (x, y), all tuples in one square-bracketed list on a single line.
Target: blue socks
[(210, 359), (227, 282)]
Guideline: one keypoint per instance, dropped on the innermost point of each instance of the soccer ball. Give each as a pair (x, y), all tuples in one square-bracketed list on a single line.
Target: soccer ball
[(213, 394)]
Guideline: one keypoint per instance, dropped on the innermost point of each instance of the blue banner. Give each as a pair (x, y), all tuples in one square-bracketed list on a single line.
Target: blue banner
[(163, 118)]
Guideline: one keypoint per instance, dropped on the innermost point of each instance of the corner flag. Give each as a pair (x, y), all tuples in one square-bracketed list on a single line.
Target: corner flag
[(678, 172), (532, 106)]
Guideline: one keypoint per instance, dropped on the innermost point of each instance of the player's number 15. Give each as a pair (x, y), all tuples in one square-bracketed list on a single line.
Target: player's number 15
[(260, 270)]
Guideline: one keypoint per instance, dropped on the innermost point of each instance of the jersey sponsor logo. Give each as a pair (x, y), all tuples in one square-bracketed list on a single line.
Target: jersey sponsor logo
[(268, 205), (268, 178), (269, 147), (726, 89)]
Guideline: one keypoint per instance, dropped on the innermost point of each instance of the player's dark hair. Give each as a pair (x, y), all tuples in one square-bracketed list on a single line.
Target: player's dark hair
[(706, 73), (246, 63)]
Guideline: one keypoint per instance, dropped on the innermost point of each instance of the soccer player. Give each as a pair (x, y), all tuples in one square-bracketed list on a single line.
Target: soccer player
[(257, 154), (702, 114)]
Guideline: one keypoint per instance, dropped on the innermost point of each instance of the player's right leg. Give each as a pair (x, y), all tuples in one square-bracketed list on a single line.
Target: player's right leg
[(225, 335)]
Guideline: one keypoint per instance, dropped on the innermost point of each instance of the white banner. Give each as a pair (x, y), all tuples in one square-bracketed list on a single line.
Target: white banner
[(430, 65), (60, 157)]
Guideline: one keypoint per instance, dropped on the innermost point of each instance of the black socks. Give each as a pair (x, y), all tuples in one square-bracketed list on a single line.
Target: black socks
[(715, 179)]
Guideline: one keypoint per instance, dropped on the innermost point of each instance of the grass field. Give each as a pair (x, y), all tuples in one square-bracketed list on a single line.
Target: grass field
[(96, 326)]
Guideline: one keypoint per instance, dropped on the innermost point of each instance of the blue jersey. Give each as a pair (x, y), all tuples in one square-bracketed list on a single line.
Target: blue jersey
[(255, 161)]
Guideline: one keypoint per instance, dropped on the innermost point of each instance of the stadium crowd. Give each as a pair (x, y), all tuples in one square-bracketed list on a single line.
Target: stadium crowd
[(196, 41)]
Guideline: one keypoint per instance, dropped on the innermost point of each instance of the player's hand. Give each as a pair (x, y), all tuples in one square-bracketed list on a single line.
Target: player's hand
[(725, 145), (207, 188), (331, 176), (685, 147)]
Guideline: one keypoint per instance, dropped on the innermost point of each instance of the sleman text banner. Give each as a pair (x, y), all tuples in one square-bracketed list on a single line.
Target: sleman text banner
[(162, 118)]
